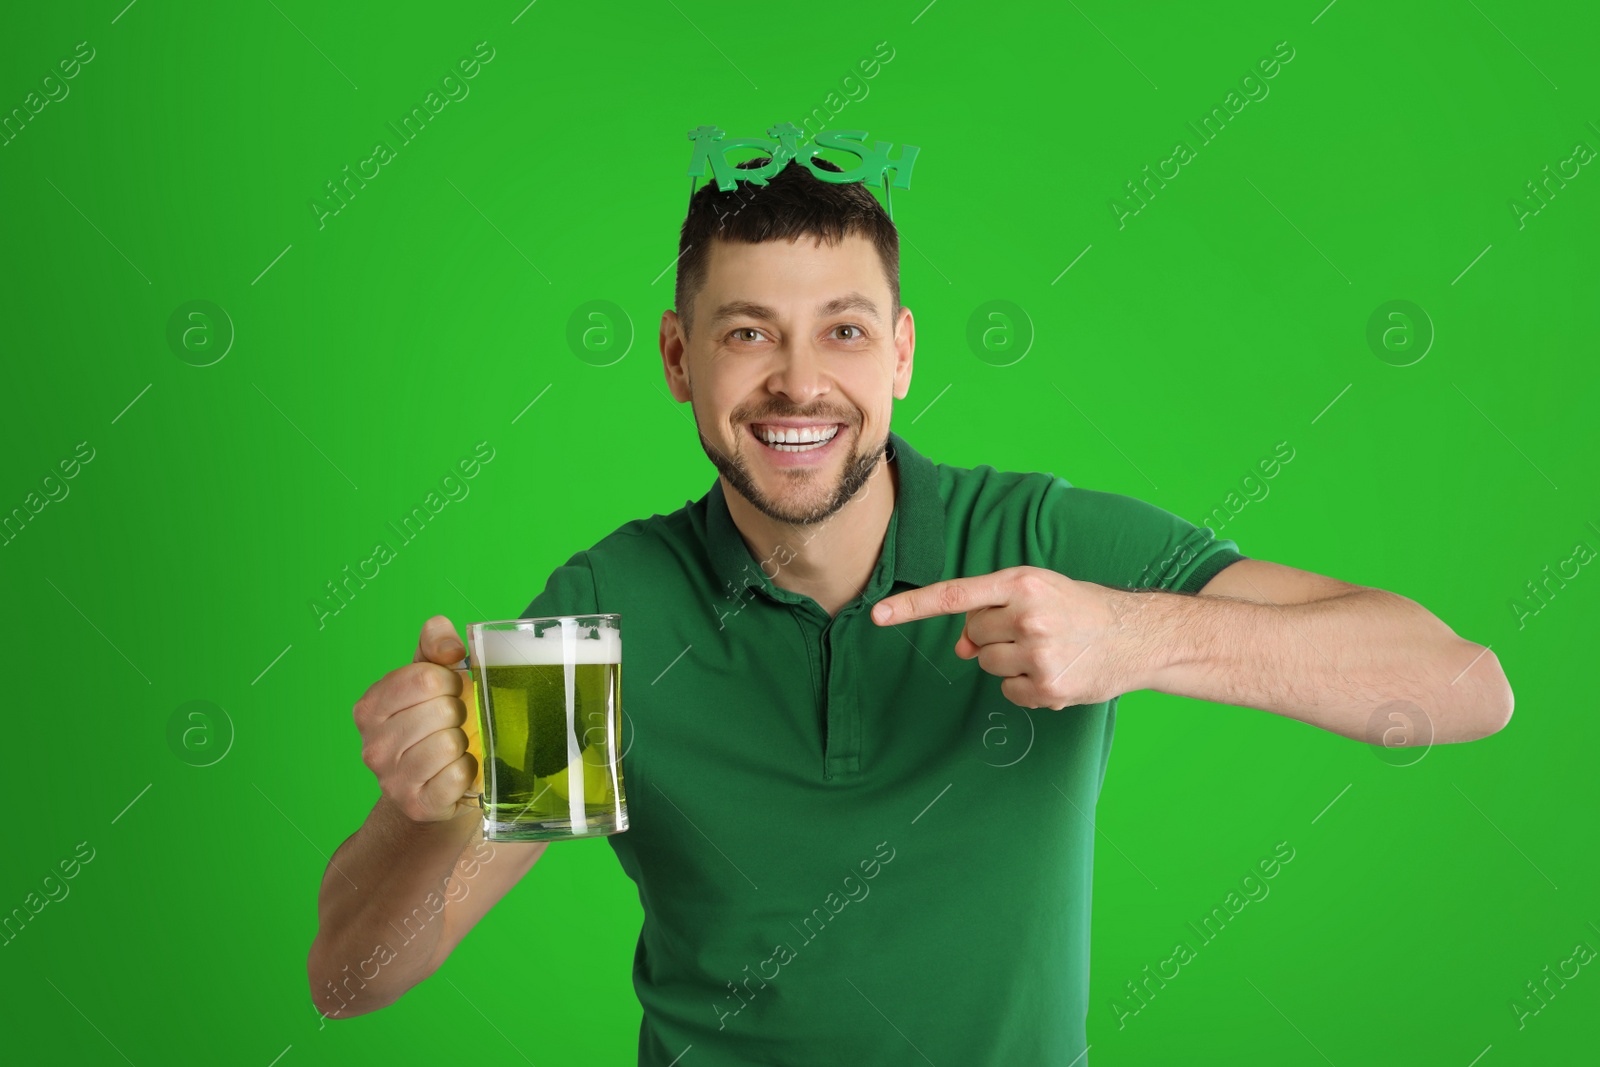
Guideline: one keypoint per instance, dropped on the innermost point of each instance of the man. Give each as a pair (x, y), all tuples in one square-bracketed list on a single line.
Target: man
[(837, 861)]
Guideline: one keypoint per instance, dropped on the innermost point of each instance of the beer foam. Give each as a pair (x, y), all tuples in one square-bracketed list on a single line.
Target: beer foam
[(519, 648)]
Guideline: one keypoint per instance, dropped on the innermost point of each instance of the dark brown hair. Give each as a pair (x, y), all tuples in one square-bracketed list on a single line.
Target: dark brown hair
[(793, 203)]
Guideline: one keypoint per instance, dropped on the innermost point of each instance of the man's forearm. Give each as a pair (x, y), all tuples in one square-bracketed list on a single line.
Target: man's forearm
[(384, 874), (1330, 663)]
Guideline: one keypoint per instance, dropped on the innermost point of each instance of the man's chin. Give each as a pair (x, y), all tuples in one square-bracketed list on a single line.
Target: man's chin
[(795, 515), (795, 500), (797, 496)]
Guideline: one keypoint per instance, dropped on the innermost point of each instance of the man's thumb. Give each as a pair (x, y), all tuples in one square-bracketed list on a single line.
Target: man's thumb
[(439, 643)]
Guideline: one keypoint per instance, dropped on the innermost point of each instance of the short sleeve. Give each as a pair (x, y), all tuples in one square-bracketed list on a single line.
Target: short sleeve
[(1122, 541), (570, 590)]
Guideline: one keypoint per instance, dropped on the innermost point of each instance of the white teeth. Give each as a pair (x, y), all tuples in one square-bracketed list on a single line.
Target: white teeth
[(789, 439)]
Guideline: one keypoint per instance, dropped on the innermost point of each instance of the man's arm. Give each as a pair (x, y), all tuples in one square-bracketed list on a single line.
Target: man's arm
[(403, 890), (422, 887), (1316, 649), (1341, 657)]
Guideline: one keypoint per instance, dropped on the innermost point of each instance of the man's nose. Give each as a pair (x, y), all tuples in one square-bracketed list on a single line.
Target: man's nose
[(800, 374)]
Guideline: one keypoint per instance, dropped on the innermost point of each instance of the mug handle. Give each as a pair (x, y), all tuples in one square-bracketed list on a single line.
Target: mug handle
[(472, 728)]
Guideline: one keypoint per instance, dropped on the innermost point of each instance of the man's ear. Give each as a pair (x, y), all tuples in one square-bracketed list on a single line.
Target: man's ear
[(905, 347), (674, 353)]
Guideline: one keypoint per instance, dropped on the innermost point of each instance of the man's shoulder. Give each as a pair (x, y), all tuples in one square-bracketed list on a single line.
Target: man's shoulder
[(1040, 504), (984, 486), (671, 532)]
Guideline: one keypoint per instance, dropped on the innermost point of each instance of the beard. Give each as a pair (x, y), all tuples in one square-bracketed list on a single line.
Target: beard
[(858, 467)]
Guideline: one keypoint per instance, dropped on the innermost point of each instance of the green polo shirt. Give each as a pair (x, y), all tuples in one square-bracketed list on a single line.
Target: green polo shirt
[(849, 846)]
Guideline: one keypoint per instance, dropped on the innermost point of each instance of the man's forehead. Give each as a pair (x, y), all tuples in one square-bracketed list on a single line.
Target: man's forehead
[(731, 291)]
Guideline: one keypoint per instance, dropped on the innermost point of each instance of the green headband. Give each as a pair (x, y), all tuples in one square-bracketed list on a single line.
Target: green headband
[(786, 144)]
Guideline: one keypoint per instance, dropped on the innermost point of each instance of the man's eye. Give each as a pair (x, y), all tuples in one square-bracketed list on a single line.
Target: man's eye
[(859, 333), (735, 334)]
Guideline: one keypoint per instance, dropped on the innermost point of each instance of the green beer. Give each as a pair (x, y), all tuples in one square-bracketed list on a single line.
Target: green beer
[(549, 694)]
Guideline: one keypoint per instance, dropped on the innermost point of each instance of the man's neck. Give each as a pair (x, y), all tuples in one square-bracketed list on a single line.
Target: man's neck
[(830, 561)]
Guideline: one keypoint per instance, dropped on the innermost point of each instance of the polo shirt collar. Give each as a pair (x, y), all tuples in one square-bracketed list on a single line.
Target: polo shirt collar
[(917, 524)]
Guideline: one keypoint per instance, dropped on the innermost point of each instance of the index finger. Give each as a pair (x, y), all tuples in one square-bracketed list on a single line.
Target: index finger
[(949, 597), (439, 643)]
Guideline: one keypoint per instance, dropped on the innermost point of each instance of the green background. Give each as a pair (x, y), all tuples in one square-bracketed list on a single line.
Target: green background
[(374, 352)]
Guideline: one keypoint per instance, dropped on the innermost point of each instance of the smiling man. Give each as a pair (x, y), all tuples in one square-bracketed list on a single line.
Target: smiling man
[(798, 370), (852, 841)]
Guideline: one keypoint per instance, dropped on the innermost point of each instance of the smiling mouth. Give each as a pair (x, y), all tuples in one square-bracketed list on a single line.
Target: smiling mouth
[(793, 438)]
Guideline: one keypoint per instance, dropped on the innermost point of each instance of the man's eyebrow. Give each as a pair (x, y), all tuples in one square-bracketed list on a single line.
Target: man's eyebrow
[(851, 302), (848, 302), (741, 309)]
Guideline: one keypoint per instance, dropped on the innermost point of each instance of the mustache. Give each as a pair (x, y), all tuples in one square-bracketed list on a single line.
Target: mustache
[(819, 416)]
